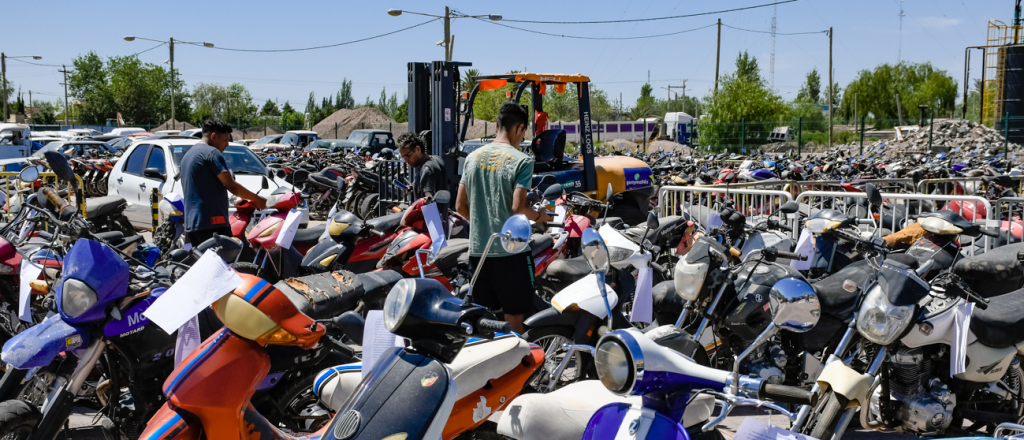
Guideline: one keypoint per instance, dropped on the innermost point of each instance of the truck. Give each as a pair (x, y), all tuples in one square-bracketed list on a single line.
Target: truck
[(678, 127), (15, 142)]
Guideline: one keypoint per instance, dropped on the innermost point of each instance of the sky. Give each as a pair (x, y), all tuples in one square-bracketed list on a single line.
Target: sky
[(866, 33)]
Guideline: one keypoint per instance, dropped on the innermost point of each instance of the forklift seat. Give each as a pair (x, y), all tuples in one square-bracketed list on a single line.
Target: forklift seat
[(548, 150)]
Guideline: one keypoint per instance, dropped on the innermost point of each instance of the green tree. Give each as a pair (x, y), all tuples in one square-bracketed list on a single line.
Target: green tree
[(344, 98), (810, 91), (290, 118), (917, 84), (232, 104), (270, 109), (747, 68), (139, 91), (402, 113), (312, 110), (46, 112), (467, 80), (646, 104), (744, 109)]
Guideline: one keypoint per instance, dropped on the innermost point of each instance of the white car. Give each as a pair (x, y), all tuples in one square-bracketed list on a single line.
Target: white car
[(125, 131), (149, 164)]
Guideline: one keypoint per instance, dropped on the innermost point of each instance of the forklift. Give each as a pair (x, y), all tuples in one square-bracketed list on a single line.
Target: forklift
[(435, 105)]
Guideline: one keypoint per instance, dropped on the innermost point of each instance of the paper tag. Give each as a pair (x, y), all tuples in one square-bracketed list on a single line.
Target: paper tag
[(714, 220), (377, 340), (29, 271), (754, 429), (433, 219), (804, 246), (643, 299), (188, 339), (961, 328), (207, 281), (559, 218), (288, 229), (330, 215)]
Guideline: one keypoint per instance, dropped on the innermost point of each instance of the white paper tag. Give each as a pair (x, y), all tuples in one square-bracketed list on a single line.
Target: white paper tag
[(804, 246), (754, 429), (433, 219), (188, 339), (207, 281), (377, 340), (288, 229), (29, 271), (961, 328), (559, 218), (643, 300), (714, 221), (330, 215)]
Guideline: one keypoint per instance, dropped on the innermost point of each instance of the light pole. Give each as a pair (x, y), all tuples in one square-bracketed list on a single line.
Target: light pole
[(170, 43), (449, 15), (3, 77)]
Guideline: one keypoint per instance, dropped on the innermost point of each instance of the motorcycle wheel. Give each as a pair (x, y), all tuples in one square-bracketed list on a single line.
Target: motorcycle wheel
[(823, 418), (368, 207), (551, 339), (18, 420), (317, 211), (298, 408), (163, 237)]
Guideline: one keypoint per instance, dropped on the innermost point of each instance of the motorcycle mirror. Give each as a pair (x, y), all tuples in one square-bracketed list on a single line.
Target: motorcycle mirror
[(652, 220), (874, 196), (443, 197), (595, 251), (29, 174), (553, 192), (795, 305), (548, 179), (340, 183), (266, 184), (59, 164), (790, 207), (515, 233), (70, 152), (608, 194)]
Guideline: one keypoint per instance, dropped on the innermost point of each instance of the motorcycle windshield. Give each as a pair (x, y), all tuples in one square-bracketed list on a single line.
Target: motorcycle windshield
[(620, 420), (40, 344)]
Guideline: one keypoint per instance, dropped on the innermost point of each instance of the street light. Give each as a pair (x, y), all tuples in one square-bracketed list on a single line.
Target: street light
[(3, 77), (448, 16), (170, 43)]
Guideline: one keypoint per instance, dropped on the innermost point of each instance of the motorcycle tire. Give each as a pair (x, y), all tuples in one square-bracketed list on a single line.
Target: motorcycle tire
[(163, 237), (368, 207), (18, 420), (545, 337), (316, 209), (245, 267), (823, 418), (294, 398), (121, 223)]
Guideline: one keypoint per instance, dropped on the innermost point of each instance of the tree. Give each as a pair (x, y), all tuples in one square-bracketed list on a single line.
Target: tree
[(139, 91), (467, 79), (46, 112), (344, 98), (810, 91), (747, 69), (917, 83), (402, 114), (743, 109), (232, 104), (291, 119), (312, 110), (270, 109), (646, 104)]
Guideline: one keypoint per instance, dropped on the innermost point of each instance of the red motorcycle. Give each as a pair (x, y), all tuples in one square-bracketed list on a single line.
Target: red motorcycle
[(283, 263)]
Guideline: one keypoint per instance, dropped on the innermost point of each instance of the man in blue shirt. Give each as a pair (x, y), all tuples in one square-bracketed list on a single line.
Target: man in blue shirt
[(206, 182)]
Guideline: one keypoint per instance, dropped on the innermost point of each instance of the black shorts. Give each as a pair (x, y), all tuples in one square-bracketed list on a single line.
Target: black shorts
[(198, 237), (506, 283)]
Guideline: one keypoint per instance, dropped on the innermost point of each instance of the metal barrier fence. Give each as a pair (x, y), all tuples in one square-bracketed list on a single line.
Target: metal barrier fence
[(394, 183), (11, 191), (970, 185), (1007, 213), (796, 187), (756, 204)]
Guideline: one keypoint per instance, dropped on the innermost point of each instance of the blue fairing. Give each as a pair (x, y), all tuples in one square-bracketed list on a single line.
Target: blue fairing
[(102, 269), (605, 423), (40, 344)]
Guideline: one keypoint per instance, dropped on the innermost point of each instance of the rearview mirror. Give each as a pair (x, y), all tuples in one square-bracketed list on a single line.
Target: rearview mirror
[(553, 192), (652, 220), (795, 305), (790, 207), (29, 174), (443, 197), (874, 196), (608, 194), (59, 164), (515, 233), (152, 173), (266, 183), (594, 250)]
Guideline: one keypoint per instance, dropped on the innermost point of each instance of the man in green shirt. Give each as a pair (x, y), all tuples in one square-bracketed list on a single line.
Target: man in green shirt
[(495, 181)]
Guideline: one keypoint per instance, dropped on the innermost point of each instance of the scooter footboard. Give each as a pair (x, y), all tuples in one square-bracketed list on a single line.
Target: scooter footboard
[(168, 424), (622, 420)]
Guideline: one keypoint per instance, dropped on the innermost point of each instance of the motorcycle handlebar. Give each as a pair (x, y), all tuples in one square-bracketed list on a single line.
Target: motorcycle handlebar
[(485, 325), (865, 221), (792, 256), (787, 394)]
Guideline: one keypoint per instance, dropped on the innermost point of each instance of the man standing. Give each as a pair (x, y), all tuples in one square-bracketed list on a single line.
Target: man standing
[(206, 182), (428, 171), (495, 182)]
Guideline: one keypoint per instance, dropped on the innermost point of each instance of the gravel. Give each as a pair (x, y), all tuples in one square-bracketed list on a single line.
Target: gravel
[(947, 135), (167, 126), (347, 120)]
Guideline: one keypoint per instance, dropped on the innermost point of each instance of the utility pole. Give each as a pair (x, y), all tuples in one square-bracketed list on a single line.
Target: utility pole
[(831, 89), (174, 122), (67, 109), (718, 54), (899, 50), (3, 81), (669, 95), (447, 34), (855, 114), (28, 109), (771, 63)]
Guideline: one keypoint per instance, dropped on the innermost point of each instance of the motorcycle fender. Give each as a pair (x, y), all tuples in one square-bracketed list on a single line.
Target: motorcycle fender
[(167, 424), (551, 317), (40, 344), (584, 294), (845, 382), (319, 257)]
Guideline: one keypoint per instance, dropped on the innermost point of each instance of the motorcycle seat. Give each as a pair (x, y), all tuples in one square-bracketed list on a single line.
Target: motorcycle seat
[(377, 285), (993, 273), (102, 206), (483, 360), (322, 179), (309, 236), (540, 243), (1001, 325), (448, 257), (385, 223), (323, 295), (834, 299), (568, 269)]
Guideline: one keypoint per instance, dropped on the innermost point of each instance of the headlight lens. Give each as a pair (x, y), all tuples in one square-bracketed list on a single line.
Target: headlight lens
[(618, 254), (398, 303), (78, 297), (613, 366), (821, 225), (881, 322), (689, 278)]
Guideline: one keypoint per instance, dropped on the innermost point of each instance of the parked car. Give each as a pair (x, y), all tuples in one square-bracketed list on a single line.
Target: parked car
[(125, 131), (84, 148), (371, 140), (290, 140), (167, 132), (149, 164), (192, 133), (122, 143)]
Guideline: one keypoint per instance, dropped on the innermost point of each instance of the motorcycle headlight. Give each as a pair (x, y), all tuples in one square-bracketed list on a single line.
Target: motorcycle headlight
[(821, 225), (78, 297), (618, 254), (881, 322), (398, 303), (689, 278), (614, 366)]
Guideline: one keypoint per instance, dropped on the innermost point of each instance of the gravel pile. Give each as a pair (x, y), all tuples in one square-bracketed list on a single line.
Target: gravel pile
[(167, 126), (947, 135), (347, 120)]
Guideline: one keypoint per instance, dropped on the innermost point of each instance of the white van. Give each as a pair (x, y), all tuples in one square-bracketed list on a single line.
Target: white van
[(677, 126)]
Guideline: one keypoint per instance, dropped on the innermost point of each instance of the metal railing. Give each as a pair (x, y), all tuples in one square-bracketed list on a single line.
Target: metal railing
[(394, 184), (1007, 213), (13, 189), (756, 204), (969, 185)]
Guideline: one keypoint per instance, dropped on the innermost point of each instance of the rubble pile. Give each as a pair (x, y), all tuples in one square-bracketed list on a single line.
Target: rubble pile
[(948, 135)]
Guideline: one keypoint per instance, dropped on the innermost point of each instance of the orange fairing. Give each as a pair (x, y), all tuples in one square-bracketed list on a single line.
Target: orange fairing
[(491, 84), (258, 311), (542, 88), (543, 78), (560, 88)]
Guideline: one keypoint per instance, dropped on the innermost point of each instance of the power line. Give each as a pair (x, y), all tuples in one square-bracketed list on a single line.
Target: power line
[(651, 19), (34, 64), (147, 50), (596, 38), (776, 33), (322, 47)]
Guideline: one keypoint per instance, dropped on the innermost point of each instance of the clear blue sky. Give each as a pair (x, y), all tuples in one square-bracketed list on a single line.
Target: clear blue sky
[(866, 34)]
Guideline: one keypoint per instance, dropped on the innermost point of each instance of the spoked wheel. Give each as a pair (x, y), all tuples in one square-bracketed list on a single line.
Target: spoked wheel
[(300, 409), (18, 420), (551, 340)]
